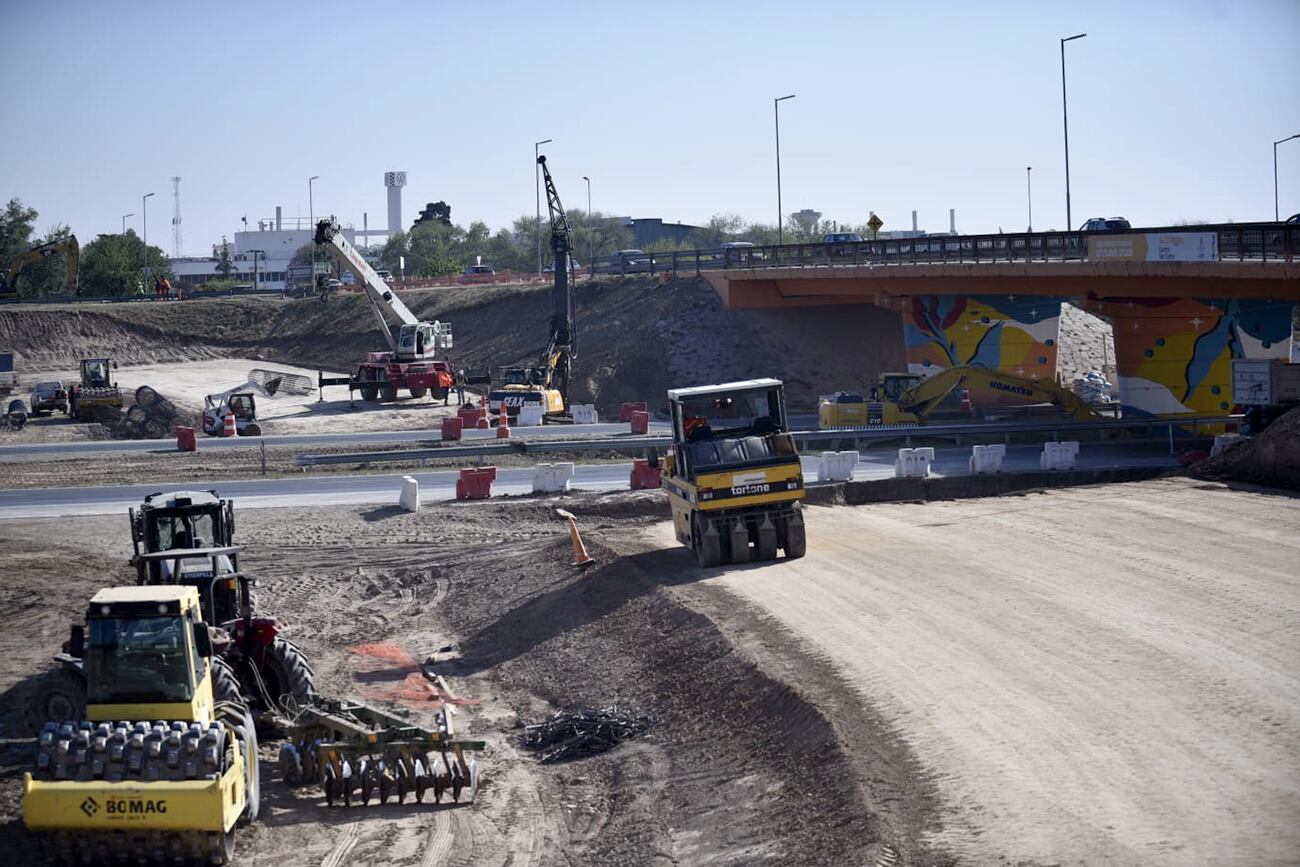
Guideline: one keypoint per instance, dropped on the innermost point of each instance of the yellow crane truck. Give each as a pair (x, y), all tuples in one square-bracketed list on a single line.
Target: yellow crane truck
[(908, 398), (155, 767), (733, 480)]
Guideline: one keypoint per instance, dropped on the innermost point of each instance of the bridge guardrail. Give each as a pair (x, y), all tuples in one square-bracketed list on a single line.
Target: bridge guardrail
[(891, 432), (1265, 242)]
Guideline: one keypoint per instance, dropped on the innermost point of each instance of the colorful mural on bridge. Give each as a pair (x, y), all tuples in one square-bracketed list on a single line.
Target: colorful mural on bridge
[(1175, 355), (1014, 334)]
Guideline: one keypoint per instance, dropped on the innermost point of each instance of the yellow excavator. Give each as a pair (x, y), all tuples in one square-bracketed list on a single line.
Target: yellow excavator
[(908, 398), (9, 279), (158, 764), (733, 479)]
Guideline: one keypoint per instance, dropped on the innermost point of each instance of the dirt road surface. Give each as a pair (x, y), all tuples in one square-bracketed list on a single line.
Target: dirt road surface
[(1088, 676)]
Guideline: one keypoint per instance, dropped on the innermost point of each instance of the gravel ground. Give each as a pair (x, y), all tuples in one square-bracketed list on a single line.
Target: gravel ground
[(1089, 676)]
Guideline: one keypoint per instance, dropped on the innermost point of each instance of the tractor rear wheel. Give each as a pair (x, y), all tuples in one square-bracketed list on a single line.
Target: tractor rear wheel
[(225, 683), (60, 696), (369, 392), (287, 674), (418, 393), (707, 546), (388, 394)]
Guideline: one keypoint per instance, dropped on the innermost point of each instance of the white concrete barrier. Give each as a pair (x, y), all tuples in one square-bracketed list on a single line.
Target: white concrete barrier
[(585, 413), (987, 459), (913, 463), (551, 478), (409, 499), (836, 466), (1058, 456), (1223, 441), (529, 416)]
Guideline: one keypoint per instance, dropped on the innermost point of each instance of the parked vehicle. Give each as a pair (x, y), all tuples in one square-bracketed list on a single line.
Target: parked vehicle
[(841, 238), (47, 397), (1106, 224), (386, 276)]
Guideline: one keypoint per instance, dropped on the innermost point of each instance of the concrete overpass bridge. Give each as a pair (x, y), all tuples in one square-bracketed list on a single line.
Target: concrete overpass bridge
[(1183, 301)]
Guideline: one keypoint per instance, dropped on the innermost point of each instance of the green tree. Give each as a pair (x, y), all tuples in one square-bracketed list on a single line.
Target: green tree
[(17, 222), (224, 265), (49, 276), (114, 265)]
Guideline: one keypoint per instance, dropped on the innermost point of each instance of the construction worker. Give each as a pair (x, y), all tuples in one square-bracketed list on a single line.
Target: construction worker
[(460, 387)]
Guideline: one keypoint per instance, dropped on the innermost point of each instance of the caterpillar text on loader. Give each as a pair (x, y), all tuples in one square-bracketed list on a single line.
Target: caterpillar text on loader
[(546, 385), (734, 481), (158, 765), (908, 398)]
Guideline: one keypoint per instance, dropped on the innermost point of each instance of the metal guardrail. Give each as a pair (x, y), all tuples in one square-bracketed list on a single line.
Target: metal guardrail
[(868, 434), (1265, 242)]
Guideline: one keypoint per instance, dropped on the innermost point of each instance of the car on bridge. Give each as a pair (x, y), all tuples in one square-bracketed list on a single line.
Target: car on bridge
[(1106, 224), (841, 238)]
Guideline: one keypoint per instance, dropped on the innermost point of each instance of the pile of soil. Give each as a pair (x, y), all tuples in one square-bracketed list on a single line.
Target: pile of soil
[(636, 337), (1271, 458)]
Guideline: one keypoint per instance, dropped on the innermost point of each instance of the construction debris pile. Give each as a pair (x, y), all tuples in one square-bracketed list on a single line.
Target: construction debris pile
[(578, 734), (1094, 388), (151, 417), (1270, 458)]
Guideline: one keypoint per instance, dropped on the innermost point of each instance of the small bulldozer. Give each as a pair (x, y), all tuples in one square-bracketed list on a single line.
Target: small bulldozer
[(96, 389), (158, 762)]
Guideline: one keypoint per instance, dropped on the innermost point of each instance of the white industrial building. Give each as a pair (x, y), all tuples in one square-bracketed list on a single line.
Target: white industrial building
[(275, 242)]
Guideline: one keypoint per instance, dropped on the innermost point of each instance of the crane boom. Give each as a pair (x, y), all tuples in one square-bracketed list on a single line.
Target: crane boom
[(330, 236)]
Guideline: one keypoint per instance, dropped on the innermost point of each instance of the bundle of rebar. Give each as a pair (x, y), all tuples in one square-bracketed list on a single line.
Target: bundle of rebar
[(582, 733)]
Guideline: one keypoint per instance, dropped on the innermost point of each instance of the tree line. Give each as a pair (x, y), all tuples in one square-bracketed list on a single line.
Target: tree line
[(110, 264)]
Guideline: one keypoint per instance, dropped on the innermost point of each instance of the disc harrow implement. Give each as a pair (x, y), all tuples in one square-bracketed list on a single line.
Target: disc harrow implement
[(355, 753)]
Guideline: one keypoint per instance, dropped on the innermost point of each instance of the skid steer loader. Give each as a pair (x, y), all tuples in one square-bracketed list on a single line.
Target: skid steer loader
[(159, 763)]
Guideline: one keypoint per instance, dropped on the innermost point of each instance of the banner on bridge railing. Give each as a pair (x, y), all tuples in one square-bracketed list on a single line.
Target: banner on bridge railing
[(1155, 247)]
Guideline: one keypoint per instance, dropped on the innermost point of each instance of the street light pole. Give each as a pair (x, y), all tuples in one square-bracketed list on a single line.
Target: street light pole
[(144, 220), (1029, 193), (537, 189), (776, 112), (1277, 217), (591, 229), (132, 214), (1065, 118), (311, 228)]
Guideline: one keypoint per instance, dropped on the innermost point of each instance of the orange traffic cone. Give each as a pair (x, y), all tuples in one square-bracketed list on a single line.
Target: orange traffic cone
[(503, 423), (230, 428), (580, 555)]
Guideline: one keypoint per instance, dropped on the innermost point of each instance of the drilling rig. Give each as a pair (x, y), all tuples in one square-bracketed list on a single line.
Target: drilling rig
[(546, 384)]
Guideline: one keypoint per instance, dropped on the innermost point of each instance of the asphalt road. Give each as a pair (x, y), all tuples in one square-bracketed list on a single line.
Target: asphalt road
[(54, 451), (324, 490)]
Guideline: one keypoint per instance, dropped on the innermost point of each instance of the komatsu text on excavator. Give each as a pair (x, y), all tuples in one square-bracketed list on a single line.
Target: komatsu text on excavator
[(546, 385), (413, 358)]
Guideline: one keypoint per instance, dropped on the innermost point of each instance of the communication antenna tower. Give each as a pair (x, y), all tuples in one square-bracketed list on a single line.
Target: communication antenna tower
[(176, 217)]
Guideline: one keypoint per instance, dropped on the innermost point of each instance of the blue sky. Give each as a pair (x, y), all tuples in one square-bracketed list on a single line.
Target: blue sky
[(667, 107)]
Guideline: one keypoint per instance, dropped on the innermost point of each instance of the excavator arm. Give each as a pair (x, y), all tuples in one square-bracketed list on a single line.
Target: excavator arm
[(382, 299), (925, 396), (9, 281)]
